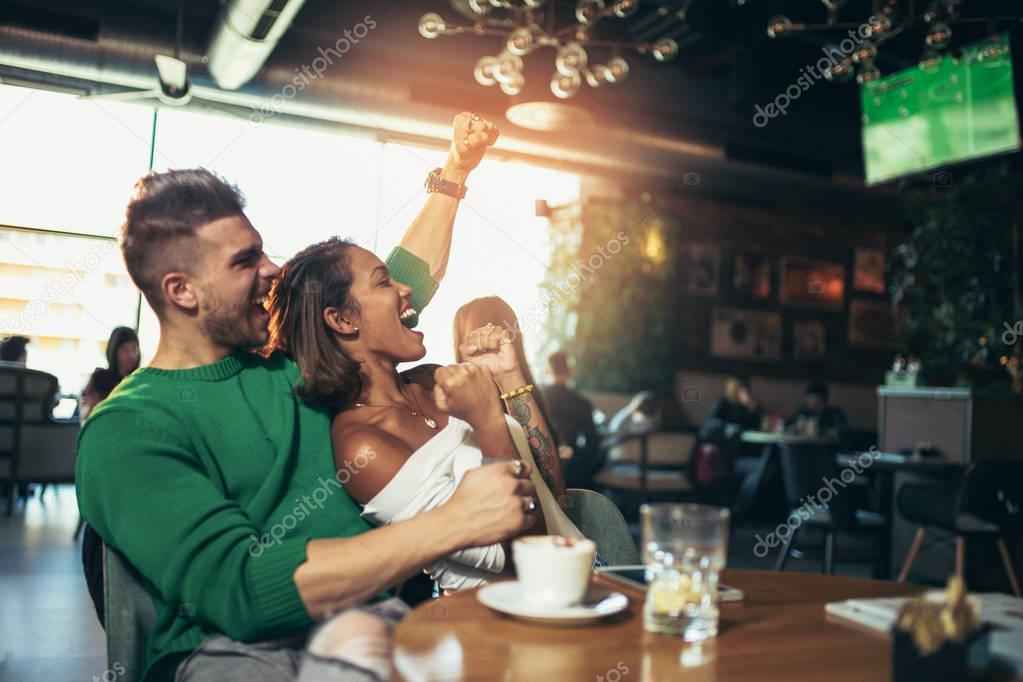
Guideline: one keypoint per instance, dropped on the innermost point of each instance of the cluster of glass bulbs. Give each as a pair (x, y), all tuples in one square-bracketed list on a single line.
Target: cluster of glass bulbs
[(861, 62), (572, 64)]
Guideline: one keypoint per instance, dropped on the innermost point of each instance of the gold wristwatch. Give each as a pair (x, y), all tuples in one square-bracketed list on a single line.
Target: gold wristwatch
[(435, 183)]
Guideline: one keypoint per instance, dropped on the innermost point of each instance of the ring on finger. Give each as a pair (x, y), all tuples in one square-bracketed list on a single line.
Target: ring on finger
[(474, 117), (530, 505), (466, 142), (518, 467)]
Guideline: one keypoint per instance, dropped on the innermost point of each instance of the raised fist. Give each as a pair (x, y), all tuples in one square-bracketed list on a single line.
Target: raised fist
[(470, 139), (491, 347)]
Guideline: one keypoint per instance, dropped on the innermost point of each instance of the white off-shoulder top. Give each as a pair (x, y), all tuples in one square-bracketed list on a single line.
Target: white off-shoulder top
[(428, 479)]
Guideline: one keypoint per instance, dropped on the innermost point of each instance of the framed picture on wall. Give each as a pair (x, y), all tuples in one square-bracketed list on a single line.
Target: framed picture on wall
[(809, 340), (751, 275), (745, 334), (874, 324), (868, 270), (699, 267), (810, 283)]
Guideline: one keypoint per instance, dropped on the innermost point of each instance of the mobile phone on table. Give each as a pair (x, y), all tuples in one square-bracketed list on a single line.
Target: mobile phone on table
[(637, 576)]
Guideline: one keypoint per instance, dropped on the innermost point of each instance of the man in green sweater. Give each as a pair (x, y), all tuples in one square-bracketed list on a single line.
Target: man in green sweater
[(218, 484)]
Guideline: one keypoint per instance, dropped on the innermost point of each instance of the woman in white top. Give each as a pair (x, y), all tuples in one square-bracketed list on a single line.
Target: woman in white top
[(407, 441)]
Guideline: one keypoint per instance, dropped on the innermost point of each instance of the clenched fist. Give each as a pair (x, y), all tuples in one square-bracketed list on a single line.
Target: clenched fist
[(494, 504), (467, 391), (470, 139), (491, 347)]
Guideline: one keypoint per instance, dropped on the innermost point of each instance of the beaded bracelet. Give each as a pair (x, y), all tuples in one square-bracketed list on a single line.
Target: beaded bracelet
[(528, 388)]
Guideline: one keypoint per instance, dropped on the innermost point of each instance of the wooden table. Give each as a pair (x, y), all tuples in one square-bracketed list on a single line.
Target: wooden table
[(780, 632)]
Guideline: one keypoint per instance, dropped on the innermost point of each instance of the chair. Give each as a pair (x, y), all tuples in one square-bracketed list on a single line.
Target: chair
[(807, 471), (647, 463), (600, 520), (129, 614), (940, 506), (34, 447)]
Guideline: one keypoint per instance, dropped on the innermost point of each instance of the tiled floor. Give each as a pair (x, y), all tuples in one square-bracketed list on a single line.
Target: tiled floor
[(48, 628), (49, 631)]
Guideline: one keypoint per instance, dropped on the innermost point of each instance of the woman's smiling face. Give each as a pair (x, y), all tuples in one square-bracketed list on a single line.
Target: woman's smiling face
[(381, 304)]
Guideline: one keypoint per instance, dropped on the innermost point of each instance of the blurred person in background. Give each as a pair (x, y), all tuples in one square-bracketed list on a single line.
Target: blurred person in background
[(571, 415), (642, 415), (14, 349), (712, 463), (817, 416), (529, 409), (737, 405), (122, 359)]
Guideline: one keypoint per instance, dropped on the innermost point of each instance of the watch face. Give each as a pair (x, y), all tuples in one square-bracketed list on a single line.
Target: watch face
[(435, 183)]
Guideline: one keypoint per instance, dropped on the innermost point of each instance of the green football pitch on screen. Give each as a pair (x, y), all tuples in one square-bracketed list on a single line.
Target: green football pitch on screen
[(956, 108)]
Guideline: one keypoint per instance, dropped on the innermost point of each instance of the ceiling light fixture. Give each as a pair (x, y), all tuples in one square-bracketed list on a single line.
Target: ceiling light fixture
[(527, 25)]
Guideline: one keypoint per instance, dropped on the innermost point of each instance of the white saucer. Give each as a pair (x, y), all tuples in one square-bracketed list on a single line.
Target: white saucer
[(598, 603)]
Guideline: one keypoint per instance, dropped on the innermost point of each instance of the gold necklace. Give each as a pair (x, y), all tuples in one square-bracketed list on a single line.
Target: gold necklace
[(415, 413)]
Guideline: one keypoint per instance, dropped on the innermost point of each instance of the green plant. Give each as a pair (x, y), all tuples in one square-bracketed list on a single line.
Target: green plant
[(958, 275), (613, 276)]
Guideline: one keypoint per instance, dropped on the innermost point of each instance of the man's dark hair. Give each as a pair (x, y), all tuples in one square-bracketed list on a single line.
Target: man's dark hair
[(558, 362), (12, 348), (818, 388), (162, 219)]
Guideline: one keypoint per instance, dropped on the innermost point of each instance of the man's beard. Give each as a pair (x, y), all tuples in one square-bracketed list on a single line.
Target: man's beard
[(228, 325)]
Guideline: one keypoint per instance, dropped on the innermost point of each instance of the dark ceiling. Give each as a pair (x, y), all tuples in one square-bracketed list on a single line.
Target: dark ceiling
[(727, 65)]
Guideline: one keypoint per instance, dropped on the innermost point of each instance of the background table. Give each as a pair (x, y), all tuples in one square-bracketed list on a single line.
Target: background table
[(780, 632), (775, 438), (764, 475)]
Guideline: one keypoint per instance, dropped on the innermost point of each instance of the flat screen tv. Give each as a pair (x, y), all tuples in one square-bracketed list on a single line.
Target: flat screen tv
[(954, 108)]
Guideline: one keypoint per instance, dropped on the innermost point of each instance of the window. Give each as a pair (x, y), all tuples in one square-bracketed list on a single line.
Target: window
[(70, 165), (66, 293)]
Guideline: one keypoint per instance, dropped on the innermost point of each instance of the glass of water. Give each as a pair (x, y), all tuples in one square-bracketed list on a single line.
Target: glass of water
[(684, 549)]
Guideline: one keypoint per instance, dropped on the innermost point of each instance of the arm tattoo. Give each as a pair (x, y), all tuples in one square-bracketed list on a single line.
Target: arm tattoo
[(539, 443), (520, 409), (543, 452)]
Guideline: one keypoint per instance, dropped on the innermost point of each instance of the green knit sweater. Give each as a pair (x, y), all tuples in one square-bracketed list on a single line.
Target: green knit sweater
[(211, 481)]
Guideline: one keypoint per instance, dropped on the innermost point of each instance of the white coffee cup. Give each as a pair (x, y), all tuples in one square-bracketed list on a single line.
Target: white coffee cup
[(553, 571)]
